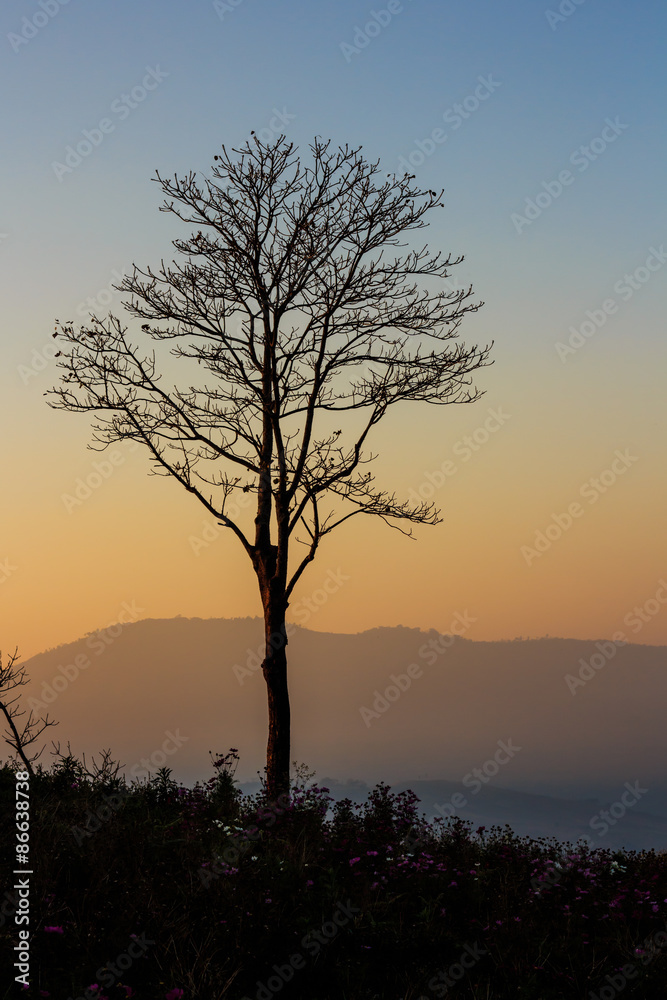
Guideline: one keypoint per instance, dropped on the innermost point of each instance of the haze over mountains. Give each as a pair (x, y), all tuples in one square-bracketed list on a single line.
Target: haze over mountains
[(496, 723)]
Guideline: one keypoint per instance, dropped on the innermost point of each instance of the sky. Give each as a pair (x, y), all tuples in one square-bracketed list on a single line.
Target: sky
[(542, 125)]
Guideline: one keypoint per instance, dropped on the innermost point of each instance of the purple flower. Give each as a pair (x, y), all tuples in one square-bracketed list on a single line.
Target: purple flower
[(54, 930), (353, 861), (174, 994)]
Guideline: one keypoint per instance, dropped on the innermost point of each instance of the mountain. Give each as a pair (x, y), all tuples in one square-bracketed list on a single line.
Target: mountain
[(550, 717)]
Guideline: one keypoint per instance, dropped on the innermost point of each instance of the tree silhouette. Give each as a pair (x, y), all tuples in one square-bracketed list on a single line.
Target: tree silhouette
[(283, 298), (20, 740)]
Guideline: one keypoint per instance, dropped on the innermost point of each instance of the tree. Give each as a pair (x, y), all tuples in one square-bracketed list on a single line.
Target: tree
[(283, 295), (11, 678)]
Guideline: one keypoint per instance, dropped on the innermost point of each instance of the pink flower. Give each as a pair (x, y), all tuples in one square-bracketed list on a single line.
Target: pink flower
[(54, 930), (353, 861), (129, 992), (175, 994)]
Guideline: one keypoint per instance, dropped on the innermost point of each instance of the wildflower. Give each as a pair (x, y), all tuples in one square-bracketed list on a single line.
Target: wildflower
[(353, 861), (54, 930), (175, 994)]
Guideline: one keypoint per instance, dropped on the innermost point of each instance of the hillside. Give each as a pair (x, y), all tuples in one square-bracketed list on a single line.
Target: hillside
[(199, 680)]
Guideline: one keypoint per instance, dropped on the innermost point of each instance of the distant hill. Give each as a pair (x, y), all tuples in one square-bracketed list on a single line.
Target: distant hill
[(452, 711)]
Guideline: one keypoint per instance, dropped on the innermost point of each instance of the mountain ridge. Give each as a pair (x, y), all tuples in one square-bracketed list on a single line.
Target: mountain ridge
[(358, 713)]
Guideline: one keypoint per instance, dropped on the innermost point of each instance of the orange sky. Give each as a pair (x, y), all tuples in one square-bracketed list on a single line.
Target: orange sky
[(503, 470)]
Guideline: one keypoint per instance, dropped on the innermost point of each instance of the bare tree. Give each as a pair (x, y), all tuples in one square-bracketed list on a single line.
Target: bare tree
[(284, 299), (11, 678)]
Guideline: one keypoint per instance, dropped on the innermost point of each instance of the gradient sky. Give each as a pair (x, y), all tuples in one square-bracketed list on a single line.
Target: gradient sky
[(553, 85)]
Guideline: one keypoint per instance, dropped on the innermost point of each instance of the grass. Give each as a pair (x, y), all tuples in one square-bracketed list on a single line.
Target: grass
[(155, 890)]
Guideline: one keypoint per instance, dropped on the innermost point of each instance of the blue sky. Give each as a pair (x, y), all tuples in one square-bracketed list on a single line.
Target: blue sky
[(222, 70)]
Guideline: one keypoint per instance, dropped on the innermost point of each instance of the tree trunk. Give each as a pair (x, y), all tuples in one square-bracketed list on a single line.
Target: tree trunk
[(274, 668)]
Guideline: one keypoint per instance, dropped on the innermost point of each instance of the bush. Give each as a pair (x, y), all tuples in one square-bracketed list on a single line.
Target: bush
[(153, 888)]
